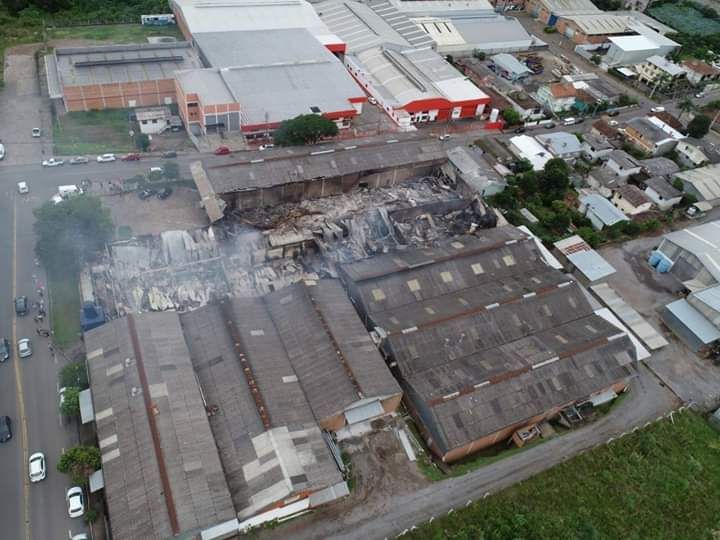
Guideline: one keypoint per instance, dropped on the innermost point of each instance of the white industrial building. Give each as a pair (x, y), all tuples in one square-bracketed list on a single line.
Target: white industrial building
[(526, 147), (631, 50), (703, 183)]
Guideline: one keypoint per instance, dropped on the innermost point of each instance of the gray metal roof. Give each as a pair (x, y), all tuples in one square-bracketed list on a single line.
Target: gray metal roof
[(509, 63), (603, 209), (401, 23), (703, 241), (263, 465), (485, 334), (659, 166), (137, 503), (694, 321), (123, 63), (662, 187), (561, 143), (272, 172), (474, 168), (623, 159), (648, 130), (492, 32), (710, 297), (591, 264)]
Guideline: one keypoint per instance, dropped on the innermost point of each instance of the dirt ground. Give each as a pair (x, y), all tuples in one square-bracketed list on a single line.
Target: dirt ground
[(690, 377), (381, 472), (152, 216)]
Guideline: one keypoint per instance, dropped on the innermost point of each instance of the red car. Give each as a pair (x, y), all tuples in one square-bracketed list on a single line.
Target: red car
[(222, 151), (131, 157)]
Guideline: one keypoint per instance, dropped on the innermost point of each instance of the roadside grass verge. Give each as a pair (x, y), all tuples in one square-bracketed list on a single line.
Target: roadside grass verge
[(115, 33), (661, 482), (64, 308), (92, 132)]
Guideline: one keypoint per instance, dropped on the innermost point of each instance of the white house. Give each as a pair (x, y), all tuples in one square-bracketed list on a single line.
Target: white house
[(561, 144), (662, 193), (595, 147), (631, 200), (622, 163), (526, 147), (153, 120), (557, 97)]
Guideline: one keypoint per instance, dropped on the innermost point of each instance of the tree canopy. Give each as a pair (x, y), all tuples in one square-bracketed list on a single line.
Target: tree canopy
[(305, 129), (71, 404), (71, 232), (80, 462), (74, 374), (699, 126), (511, 116)]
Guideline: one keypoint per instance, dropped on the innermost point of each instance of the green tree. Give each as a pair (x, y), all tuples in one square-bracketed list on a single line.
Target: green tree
[(70, 406), (677, 184), (74, 374), (631, 228), (511, 116), (305, 129), (71, 232), (596, 59), (590, 235), (80, 462), (480, 55), (686, 106), (555, 177), (142, 142), (171, 170), (699, 126)]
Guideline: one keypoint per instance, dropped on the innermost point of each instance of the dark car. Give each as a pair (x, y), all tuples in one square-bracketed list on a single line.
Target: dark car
[(5, 429), (4, 349), (169, 154), (164, 193), (146, 194), (21, 305), (131, 157), (519, 130), (222, 151), (549, 125), (613, 113)]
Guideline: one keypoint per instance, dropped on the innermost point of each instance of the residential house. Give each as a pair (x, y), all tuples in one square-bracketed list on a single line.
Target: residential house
[(659, 166), (506, 65), (604, 180), (668, 119), (595, 147), (153, 120), (657, 70), (472, 172), (622, 164), (526, 105), (703, 183), (557, 97), (700, 73), (526, 147), (604, 129), (690, 155), (562, 144), (648, 137), (631, 200), (601, 212), (662, 193)]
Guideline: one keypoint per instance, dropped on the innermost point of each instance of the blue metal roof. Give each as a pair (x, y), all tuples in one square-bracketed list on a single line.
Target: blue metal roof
[(603, 209), (591, 264), (694, 321)]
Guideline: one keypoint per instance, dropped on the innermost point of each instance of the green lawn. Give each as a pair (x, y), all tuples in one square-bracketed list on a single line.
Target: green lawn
[(116, 33), (662, 482), (64, 309), (92, 132)]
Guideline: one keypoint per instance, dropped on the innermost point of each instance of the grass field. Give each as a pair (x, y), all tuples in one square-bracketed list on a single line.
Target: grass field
[(92, 132), (116, 33), (662, 482), (685, 19), (65, 309)]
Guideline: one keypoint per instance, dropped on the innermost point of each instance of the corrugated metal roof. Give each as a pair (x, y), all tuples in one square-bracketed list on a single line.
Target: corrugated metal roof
[(591, 264), (87, 414), (710, 297), (694, 321), (133, 487), (705, 180), (603, 209), (703, 241)]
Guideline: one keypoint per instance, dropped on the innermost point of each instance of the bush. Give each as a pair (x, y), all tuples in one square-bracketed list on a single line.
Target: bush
[(91, 515), (74, 375), (71, 404), (305, 129), (480, 55), (142, 142), (677, 184), (511, 116), (596, 59), (80, 462), (699, 126), (550, 30)]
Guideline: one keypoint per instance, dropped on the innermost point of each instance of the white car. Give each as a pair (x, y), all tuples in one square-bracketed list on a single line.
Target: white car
[(36, 132), (657, 109), (36, 467), (61, 393), (24, 348), (2, 151), (52, 162), (78, 160), (81, 536), (106, 158), (613, 123), (266, 146), (75, 501), (23, 188), (372, 100)]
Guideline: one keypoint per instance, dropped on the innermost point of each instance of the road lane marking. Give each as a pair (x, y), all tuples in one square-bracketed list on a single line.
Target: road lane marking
[(18, 384)]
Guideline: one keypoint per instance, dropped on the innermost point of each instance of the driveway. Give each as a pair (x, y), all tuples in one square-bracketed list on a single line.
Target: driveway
[(23, 107)]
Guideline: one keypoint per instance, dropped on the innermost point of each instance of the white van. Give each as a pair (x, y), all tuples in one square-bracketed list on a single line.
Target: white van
[(569, 122), (67, 191)]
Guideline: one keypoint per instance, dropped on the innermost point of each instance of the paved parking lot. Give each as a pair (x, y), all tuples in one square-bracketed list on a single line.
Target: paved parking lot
[(691, 378), (22, 107)]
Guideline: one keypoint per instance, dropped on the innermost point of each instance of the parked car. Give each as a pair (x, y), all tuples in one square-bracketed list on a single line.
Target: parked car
[(222, 151), (549, 125), (61, 396), (79, 160), (2, 151), (5, 429), (146, 194), (169, 154), (519, 130), (36, 467), (613, 123), (36, 132), (52, 162), (657, 109), (106, 158), (372, 100), (164, 193), (23, 188), (21, 305), (444, 137), (131, 157), (266, 146), (4, 349), (75, 501), (81, 536), (613, 113), (24, 348)]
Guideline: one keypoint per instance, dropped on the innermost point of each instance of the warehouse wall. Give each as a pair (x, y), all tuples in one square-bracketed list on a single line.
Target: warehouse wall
[(119, 95)]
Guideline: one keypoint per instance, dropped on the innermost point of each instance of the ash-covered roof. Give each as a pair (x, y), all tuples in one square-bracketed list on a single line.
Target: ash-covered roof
[(139, 504), (484, 334)]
